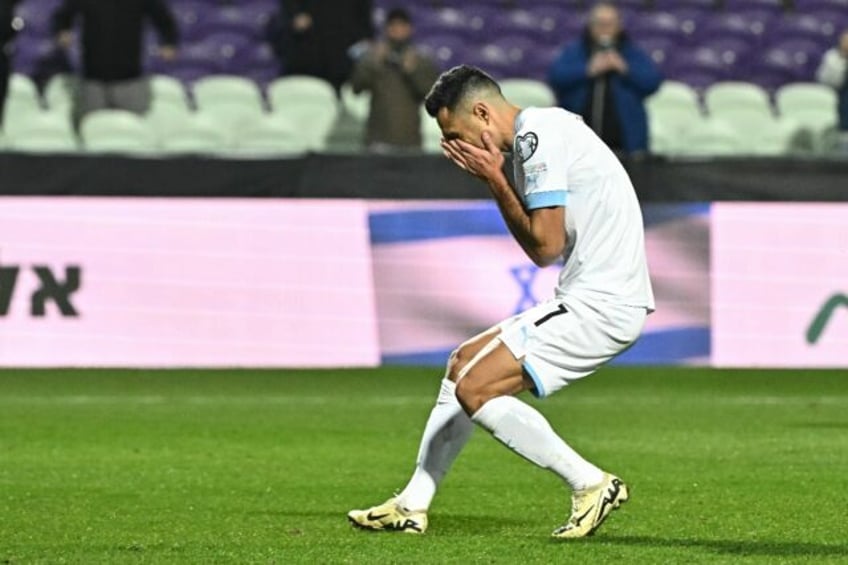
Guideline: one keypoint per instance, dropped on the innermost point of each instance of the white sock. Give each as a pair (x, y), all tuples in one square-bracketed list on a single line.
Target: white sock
[(445, 434), (523, 429)]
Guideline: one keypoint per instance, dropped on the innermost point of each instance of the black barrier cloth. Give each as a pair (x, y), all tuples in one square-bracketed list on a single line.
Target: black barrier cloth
[(409, 177)]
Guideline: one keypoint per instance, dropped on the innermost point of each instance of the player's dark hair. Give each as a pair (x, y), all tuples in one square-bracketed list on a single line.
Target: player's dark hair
[(454, 85), (398, 15)]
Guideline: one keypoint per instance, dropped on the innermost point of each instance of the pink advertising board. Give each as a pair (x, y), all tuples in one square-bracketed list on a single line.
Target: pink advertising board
[(172, 282), (780, 285)]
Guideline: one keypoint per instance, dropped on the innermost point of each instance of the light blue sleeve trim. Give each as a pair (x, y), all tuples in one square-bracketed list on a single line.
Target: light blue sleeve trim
[(546, 199), (539, 391)]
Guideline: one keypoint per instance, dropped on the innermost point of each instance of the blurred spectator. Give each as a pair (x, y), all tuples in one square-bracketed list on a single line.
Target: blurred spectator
[(605, 78), (833, 71), (318, 34), (112, 46), (7, 33), (398, 77)]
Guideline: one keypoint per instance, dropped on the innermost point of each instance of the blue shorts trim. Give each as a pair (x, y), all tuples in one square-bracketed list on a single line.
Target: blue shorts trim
[(539, 390), (546, 199)]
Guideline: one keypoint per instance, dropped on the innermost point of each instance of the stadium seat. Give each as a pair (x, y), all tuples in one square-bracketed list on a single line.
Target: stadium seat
[(710, 137), (737, 98), (230, 117), (524, 93), (199, 135), (167, 90), (431, 134), (355, 105), (42, 132), (309, 103), (272, 137), (662, 136), (59, 92), (116, 131), (770, 138), (797, 98), (289, 90), (772, 6), (22, 94), (675, 95), (813, 128), (22, 101), (446, 50), (227, 90), (314, 120), (659, 49), (165, 118)]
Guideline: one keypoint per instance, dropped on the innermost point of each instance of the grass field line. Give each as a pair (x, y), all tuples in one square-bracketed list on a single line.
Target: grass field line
[(408, 400)]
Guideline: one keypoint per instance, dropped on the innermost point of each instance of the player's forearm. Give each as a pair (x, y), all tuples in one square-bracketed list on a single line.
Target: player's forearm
[(530, 237)]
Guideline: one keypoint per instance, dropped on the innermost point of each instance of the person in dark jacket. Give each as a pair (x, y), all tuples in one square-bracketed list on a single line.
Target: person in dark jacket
[(112, 33), (833, 71), (606, 78), (7, 33), (398, 78), (318, 35)]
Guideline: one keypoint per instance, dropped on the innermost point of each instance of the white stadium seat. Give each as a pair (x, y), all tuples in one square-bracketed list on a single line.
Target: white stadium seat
[(526, 93), (116, 131)]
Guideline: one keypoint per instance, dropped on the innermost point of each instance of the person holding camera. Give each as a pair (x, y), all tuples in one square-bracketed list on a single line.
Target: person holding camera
[(398, 76), (605, 78)]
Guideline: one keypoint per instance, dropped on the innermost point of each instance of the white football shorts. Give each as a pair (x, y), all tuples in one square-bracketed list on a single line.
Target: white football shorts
[(565, 339)]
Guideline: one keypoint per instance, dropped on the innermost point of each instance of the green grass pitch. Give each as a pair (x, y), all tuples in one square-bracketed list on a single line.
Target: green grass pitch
[(261, 467)]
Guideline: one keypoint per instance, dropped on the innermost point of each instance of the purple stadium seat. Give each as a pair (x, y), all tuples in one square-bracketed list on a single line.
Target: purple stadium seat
[(569, 28), (659, 24), (768, 80), (675, 6), (773, 6), (504, 57), (446, 50), (253, 58), (190, 16), (480, 16), (443, 20), (699, 79), (250, 19), (734, 54), (839, 19), (806, 6), (188, 73), (194, 58), (795, 59), (522, 21), (632, 5), (573, 6), (806, 26), (541, 60), (37, 16), (743, 26), (715, 61), (659, 49), (39, 58)]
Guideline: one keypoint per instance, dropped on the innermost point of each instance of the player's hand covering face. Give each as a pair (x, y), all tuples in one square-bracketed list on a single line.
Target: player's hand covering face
[(485, 163)]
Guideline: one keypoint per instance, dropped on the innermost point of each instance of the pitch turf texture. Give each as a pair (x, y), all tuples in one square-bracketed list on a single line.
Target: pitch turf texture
[(261, 467)]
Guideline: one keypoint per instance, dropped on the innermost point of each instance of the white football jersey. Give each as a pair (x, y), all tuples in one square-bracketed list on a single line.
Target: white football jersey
[(559, 161)]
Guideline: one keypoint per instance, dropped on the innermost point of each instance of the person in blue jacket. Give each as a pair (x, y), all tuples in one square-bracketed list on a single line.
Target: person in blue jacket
[(605, 78)]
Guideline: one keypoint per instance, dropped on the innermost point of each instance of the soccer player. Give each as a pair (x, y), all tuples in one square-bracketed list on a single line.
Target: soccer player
[(572, 202)]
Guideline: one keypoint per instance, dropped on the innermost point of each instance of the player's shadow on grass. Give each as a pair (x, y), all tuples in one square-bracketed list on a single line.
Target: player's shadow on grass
[(737, 547)]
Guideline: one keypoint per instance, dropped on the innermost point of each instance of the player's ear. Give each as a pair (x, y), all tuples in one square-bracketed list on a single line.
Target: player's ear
[(481, 111)]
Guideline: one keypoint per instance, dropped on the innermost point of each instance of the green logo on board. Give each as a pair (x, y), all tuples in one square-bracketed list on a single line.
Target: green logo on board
[(824, 315)]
